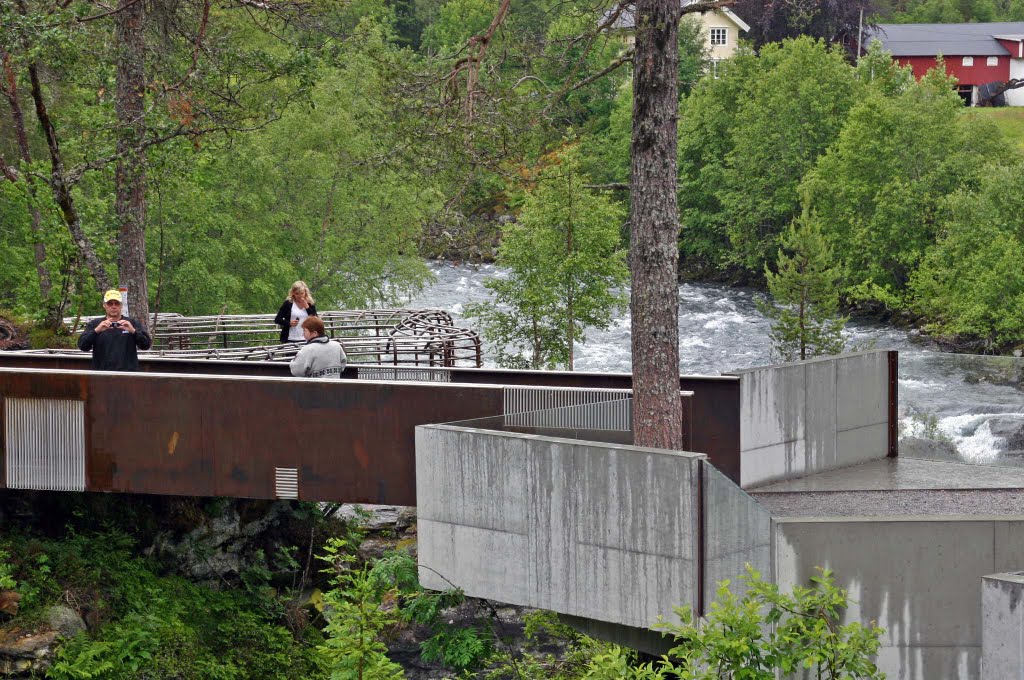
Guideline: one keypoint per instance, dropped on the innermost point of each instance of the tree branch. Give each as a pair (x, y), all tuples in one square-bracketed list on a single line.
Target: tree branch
[(476, 48), (10, 173), (623, 58), (101, 15), (75, 174)]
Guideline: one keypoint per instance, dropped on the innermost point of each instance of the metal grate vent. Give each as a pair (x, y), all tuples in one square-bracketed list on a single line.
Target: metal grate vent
[(286, 482), (569, 408), (400, 373), (45, 444)]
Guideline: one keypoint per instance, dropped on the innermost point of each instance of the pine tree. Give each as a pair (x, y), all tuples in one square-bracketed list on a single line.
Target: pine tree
[(804, 310)]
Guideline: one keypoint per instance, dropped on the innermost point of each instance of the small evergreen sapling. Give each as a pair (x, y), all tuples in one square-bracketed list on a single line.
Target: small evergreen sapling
[(564, 268), (804, 310)]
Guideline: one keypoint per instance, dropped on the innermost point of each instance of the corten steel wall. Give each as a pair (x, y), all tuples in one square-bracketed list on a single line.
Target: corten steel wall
[(712, 425), (224, 436)]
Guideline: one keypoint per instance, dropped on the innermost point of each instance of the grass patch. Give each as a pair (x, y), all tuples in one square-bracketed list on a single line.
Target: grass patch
[(1010, 120)]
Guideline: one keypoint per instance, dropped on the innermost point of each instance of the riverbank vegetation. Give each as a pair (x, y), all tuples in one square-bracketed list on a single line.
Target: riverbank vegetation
[(94, 601), (338, 144)]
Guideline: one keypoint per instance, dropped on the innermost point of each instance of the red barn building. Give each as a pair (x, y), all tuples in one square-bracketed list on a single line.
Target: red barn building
[(977, 54)]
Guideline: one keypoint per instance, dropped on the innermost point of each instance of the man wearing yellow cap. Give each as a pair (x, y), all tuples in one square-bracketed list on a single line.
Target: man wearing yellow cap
[(113, 339)]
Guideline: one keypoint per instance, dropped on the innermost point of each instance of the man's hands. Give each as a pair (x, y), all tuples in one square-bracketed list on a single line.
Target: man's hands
[(123, 324)]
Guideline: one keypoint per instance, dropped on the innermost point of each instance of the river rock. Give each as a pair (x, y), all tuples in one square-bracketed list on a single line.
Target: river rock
[(28, 653), (24, 644), (9, 600), (220, 546), (376, 518), (65, 621)]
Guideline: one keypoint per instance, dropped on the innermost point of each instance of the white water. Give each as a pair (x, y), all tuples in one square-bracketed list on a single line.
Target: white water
[(956, 400)]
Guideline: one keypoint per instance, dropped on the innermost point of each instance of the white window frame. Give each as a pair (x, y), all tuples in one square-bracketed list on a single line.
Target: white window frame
[(992, 61), (719, 33), (713, 65), (968, 61)]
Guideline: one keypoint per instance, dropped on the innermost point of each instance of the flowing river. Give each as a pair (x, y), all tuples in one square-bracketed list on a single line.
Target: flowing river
[(952, 406)]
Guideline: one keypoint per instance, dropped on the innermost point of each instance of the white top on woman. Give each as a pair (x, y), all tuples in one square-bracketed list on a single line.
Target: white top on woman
[(295, 332)]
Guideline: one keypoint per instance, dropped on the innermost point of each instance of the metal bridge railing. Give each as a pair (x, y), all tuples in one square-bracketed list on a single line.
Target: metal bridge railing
[(397, 337)]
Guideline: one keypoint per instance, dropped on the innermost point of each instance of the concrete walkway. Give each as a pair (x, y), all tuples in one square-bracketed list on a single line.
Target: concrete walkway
[(899, 487)]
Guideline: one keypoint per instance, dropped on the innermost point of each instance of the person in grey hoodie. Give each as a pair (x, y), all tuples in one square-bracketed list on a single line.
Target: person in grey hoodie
[(319, 357)]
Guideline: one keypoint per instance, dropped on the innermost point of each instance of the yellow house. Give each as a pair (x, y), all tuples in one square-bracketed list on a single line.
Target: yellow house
[(721, 29)]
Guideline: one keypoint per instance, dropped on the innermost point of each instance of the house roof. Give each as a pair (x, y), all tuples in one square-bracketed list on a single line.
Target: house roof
[(928, 40), (627, 19)]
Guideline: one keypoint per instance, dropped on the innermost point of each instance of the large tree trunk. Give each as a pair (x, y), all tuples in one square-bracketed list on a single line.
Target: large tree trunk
[(62, 189), (654, 221), (130, 177), (10, 89)]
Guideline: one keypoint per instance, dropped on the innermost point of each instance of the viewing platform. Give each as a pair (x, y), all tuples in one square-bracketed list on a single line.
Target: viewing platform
[(529, 489)]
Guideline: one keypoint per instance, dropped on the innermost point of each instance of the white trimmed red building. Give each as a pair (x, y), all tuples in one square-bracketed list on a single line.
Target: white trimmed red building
[(977, 54)]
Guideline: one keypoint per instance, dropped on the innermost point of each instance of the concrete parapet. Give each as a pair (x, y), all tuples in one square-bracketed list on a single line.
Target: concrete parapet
[(807, 417), (599, 531), (919, 579), (737, 533), (1002, 626)]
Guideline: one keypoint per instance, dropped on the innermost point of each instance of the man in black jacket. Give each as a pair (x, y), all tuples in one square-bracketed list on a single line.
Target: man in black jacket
[(113, 339)]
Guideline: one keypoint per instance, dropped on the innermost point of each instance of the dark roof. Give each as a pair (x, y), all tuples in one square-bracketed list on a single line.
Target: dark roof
[(928, 40), (627, 20)]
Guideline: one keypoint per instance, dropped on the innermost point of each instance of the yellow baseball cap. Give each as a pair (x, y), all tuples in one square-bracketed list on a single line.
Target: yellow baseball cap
[(112, 294)]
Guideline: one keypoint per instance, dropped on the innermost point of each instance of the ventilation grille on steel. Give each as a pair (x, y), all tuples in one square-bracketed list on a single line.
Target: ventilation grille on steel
[(569, 408), (45, 444), (400, 373), (286, 482)]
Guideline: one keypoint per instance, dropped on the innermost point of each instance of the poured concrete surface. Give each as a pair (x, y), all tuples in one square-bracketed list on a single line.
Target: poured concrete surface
[(598, 531), (1002, 626), (920, 580), (898, 487), (810, 416), (891, 474)]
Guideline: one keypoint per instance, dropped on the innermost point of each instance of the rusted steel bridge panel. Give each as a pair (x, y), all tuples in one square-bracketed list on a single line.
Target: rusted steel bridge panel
[(224, 436), (712, 425)]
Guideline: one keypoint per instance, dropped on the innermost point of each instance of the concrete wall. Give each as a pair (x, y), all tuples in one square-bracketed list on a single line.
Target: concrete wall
[(811, 416), (604, 532), (737, 533), (1002, 626), (921, 580)]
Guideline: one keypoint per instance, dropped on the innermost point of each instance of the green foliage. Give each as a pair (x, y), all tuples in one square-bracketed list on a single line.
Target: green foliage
[(879, 188), (970, 283), (706, 122), (7, 580), (456, 22), (356, 619), (950, 11), (747, 138), (459, 648), (143, 625), (805, 299), (582, 656), (765, 631), (564, 265), (755, 635), (786, 119)]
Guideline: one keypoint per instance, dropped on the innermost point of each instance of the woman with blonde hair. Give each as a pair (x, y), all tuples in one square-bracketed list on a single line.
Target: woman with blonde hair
[(297, 307)]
